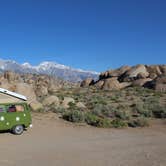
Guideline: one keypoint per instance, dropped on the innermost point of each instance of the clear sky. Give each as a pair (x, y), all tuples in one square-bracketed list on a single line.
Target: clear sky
[(87, 34)]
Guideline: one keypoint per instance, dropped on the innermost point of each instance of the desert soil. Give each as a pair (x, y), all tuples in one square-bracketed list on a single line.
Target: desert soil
[(53, 142)]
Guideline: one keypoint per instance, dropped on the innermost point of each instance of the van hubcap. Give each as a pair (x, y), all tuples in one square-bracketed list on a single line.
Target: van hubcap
[(19, 129)]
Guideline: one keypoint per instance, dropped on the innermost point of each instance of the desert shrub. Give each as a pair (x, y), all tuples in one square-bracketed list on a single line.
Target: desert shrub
[(91, 119), (73, 116), (104, 110), (59, 109), (40, 110), (104, 123), (96, 100), (115, 98), (159, 111), (118, 123), (94, 120), (122, 114), (152, 99), (142, 109), (139, 122), (72, 106)]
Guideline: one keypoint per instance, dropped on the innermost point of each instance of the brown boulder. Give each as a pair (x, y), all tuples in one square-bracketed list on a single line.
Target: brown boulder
[(51, 100), (141, 76), (154, 69), (152, 75), (111, 84), (163, 69), (134, 71), (26, 90), (141, 82), (118, 72), (125, 85), (87, 82), (41, 91), (160, 84), (66, 101), (36, 106), (99, 84), (114, 73)]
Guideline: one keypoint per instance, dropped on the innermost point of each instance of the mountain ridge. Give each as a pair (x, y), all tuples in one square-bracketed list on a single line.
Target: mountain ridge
[(49, 68)]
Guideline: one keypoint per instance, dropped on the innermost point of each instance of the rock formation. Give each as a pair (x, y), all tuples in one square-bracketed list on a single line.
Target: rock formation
[(150, 76)]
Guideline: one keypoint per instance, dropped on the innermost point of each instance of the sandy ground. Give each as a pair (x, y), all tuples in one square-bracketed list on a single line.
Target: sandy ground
[(53, 142)]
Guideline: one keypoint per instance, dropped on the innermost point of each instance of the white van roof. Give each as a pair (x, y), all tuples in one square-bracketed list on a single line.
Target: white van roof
[(13, 94)]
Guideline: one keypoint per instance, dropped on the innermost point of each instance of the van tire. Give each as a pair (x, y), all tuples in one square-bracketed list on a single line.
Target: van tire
[(18, 129)]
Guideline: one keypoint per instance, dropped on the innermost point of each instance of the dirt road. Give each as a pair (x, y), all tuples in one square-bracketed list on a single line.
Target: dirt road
[(52, 142)]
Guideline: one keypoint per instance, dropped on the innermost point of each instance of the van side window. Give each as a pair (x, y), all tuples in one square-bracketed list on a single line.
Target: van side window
[(2, 108), (19, 108), (11, 108)]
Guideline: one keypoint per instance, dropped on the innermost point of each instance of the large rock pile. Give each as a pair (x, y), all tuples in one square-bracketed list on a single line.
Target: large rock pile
[(37, 88), (153, 76)]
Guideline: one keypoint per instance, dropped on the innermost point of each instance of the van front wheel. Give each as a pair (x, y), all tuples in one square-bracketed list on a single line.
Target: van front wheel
[(18, 130)]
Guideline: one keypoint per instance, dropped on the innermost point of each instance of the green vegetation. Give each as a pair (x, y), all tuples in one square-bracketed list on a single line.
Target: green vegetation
[(128, 107), (74, 116), (139, 122)]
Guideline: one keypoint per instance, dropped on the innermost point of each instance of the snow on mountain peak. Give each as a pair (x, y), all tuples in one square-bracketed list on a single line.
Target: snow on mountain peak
[(27, 65), (49, 68), (47, 64)]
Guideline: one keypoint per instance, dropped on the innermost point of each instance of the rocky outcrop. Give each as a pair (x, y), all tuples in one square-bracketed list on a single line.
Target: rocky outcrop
[(111, 84), (27, 90), (37, 88), (140, 75), (36, 106), (114, 73), (160, 84), (11, 76), (87, 82), (141, 82), (51, 100), (66, 101), (136, 72)]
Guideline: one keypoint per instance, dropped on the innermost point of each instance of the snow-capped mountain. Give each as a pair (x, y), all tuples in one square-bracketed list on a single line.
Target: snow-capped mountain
[(49, 68)]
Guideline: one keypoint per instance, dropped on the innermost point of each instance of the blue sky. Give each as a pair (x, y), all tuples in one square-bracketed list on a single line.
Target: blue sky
[(87, 34)]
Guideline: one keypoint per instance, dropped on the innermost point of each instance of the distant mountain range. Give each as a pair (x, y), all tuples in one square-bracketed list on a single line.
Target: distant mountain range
[(48, 68)]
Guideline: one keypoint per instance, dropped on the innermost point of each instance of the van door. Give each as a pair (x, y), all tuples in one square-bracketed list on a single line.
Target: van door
[(15, 114), (4, 124)]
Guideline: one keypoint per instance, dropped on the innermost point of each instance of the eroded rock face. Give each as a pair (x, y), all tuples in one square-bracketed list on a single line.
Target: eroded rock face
[(155, 69), (41, 91), (141, 82), (11, 76), (163, 69), (36, 106), (35, 87), (99, 84), (114, 73), (160, 84), (134, 71), (51, 100), (87, 82), (111, 84), (26, 90), (148, 76)]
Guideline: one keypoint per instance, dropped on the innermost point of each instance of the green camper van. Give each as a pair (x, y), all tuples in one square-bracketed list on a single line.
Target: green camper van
[(14, 112)]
